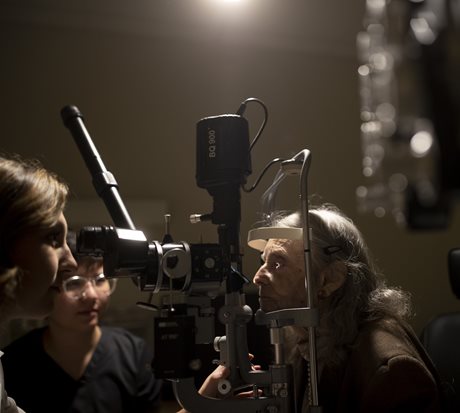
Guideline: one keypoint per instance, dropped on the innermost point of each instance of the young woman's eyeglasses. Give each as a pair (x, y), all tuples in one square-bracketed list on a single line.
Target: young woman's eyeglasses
[(75, 287)]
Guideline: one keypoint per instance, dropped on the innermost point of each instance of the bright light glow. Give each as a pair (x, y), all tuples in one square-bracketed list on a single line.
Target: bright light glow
[(366, 116), (422, 30), (385, 111), (367, 161), (361, 191), (398, 182), (367, 171), (379, 212), (380, 61), (421, 143), (370, 127), (363, 70)]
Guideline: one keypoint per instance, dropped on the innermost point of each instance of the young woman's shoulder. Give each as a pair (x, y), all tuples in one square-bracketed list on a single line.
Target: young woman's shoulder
[(24, 345), (118, 337)]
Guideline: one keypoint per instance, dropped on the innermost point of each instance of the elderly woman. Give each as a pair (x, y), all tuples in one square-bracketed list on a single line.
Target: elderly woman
[(369, 358)]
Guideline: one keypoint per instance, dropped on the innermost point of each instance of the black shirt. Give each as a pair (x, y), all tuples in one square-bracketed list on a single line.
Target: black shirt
[(117, 379)]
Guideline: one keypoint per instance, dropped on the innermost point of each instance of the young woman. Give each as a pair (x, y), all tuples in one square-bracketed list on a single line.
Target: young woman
[(90, 368), (33, 248)]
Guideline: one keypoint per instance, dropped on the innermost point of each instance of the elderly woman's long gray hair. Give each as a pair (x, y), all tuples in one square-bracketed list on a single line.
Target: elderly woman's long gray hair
[(364, 295)]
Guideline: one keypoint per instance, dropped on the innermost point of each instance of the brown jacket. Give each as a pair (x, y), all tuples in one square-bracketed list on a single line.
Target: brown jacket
[(387, 370)]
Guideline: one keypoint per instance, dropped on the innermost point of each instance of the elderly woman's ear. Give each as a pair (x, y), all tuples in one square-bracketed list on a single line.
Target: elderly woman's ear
[(331, 279)]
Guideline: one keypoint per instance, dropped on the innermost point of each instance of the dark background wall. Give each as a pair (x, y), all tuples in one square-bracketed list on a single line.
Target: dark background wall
[(144, 72)]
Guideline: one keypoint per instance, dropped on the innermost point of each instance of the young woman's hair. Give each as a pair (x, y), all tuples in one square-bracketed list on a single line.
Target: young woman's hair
[(337, 245), (30, 198)]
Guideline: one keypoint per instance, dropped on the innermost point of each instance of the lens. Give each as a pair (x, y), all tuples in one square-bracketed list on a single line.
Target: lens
[(104, 285), (74, 286), (91, 240)]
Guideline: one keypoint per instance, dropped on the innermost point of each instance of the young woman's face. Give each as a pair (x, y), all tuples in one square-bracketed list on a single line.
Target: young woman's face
[(42, 255), (80, 307)]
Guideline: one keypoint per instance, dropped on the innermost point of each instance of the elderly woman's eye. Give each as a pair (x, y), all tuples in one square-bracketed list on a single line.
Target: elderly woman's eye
[(276, 265)]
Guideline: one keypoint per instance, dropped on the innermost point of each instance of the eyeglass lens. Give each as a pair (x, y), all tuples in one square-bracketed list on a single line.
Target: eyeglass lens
[(76, 286)]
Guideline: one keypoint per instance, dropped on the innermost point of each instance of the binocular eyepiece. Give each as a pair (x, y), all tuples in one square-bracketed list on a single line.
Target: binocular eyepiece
[(155, 266)]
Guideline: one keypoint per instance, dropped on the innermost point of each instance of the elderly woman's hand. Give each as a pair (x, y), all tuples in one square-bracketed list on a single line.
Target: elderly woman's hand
[(209, 387)]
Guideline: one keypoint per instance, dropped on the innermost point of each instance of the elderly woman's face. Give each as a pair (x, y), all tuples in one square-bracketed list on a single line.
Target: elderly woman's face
[(281, 279)]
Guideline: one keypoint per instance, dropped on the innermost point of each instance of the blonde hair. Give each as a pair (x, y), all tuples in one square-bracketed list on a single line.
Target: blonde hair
[(30, 198)]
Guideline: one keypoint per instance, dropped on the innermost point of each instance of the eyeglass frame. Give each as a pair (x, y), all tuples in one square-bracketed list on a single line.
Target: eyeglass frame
[(91, 280)]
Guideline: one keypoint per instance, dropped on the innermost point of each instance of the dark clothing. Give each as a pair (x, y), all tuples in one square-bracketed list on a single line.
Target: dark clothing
[(387, 370), (117, 379)]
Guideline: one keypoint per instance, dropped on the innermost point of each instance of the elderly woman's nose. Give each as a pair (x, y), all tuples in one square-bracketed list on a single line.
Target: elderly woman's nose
[(262, 276)]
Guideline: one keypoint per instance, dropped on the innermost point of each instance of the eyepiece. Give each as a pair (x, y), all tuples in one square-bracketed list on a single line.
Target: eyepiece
[(92, 240)]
